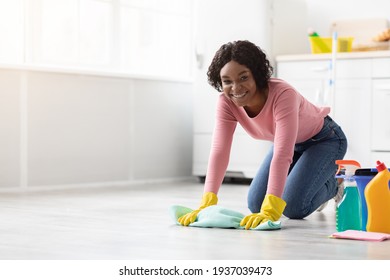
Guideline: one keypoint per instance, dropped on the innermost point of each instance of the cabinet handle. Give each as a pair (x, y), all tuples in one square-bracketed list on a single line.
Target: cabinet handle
[(383, 88)]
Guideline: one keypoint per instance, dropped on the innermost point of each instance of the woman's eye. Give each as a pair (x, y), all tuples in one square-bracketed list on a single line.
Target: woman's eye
[(243, 78), (226, 82)]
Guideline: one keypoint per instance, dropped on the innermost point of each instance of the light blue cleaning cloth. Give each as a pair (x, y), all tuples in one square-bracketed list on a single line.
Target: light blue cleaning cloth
[(218, 217)]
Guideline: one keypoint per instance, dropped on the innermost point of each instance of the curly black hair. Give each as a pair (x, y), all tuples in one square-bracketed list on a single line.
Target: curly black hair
[(244, 53)]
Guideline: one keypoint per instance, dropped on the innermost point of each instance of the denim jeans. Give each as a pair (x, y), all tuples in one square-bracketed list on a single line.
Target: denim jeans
[(311, 179)]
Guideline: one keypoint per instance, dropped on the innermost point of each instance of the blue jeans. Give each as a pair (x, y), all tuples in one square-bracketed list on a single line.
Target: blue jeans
[(311, 179)]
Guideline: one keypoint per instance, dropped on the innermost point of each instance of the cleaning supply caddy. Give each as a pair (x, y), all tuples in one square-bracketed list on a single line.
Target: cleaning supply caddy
[(377, 196)]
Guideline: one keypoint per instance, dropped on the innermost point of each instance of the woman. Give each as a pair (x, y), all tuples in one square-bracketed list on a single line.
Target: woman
[(298, 173)]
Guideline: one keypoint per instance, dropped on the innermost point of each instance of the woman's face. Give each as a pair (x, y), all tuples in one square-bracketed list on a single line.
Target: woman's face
[(238, 84)]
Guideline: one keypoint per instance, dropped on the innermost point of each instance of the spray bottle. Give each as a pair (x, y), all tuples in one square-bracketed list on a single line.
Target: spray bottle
[(348, 209), (377, 195)]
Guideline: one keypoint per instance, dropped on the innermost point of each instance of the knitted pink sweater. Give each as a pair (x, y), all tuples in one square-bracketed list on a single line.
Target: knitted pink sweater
[(287, 118)]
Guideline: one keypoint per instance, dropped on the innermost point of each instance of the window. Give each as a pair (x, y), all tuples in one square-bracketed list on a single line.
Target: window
[(159, 34), (148, 37), (11, 31)]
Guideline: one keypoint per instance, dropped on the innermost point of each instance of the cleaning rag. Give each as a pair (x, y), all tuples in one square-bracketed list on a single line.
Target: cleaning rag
[(361, 235), (218, 217)]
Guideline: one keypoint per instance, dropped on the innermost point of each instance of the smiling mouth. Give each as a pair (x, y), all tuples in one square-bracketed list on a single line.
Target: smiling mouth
[(239, 95)]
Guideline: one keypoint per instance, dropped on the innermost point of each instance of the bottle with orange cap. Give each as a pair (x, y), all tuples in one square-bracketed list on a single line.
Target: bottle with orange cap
[(377, 195), (348, 209)]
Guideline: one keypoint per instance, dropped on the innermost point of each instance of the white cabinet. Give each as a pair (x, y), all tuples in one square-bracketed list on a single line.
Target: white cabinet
[(310, 78), (350, 100), (380, 114), (351, 110), (381, 68), (246, 153), (245, 157), (352, 106)]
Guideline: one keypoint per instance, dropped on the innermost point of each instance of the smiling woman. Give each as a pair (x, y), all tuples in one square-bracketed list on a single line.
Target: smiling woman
[(297, 174)]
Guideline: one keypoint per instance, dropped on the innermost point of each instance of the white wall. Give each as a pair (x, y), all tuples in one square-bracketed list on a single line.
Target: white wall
[(278, 26), (58, 128), (71, 129), (322, 13), (292, 18), (289, 27), (9, 128)]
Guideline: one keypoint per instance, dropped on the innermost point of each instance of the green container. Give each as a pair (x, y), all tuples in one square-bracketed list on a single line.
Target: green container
[(348, 211)]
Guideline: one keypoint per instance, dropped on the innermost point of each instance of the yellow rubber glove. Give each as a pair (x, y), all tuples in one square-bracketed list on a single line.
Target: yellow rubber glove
[(208, 199), (271, 210)]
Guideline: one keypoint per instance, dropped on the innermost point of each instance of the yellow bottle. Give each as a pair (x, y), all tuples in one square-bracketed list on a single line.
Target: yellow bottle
[(377, 195)]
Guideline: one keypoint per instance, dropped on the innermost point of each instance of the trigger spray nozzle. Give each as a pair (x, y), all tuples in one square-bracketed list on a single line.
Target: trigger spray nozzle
[(346, 168)]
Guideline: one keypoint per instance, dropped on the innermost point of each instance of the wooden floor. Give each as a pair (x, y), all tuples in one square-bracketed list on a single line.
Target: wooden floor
[(133, 223)]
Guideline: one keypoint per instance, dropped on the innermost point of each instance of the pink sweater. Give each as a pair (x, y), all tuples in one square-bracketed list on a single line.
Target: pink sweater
[(287, 118)]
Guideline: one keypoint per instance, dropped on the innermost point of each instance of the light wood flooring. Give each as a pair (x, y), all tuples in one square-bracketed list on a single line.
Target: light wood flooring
[(132, 222)]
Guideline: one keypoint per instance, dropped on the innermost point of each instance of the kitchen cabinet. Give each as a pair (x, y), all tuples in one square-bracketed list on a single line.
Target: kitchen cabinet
[(246, 152), (380, 133), (351, 110), (310, 78), (352, 106), (359, 100), (245, 158), (380, 136)]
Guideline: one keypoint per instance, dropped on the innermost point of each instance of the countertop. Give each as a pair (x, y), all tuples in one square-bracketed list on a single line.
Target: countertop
[(327, 56)]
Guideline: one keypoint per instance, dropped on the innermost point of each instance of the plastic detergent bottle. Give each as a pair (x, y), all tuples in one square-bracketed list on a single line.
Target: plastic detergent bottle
[(349, 209), (378, 201)]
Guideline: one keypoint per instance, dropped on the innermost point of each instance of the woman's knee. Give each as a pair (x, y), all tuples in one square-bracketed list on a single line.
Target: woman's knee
[(294, 211)]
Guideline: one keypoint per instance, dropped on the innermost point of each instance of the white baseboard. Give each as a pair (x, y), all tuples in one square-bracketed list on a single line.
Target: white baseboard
[(91, 185)]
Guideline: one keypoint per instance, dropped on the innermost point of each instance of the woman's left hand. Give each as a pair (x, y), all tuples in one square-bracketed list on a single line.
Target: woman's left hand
[(271, 210), (253, 220)]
